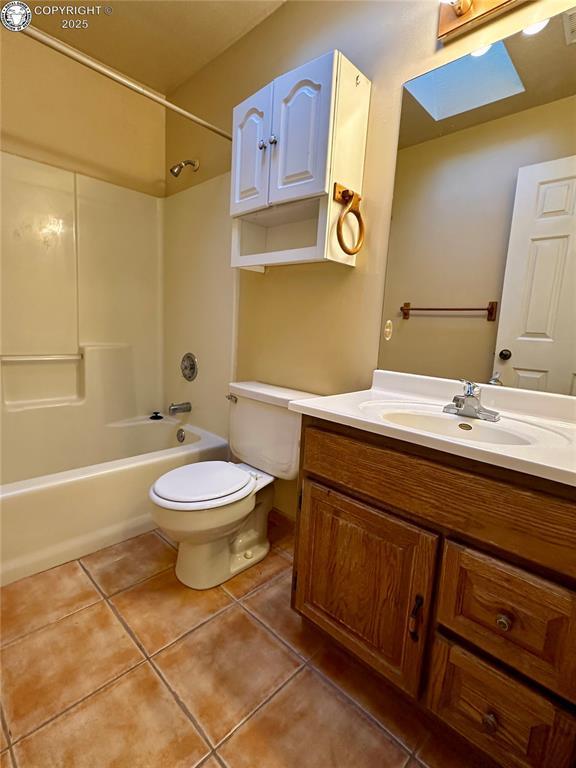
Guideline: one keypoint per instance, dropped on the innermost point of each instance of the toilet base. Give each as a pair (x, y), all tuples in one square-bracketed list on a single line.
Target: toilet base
[(203, 566), (206, 564)]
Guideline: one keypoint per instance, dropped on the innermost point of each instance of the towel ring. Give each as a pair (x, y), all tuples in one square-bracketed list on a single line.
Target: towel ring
[(351, 202)]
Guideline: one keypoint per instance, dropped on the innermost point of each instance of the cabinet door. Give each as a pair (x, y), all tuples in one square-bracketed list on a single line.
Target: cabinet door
[(301, 128), (252, 121), (365, 578)]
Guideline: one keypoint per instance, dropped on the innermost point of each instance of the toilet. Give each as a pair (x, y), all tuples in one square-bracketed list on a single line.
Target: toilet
[(217, 511)]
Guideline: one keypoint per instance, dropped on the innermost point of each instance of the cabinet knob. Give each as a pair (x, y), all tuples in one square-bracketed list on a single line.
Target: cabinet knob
[(490, 722), (262, 144), (504, 622), (273, 139), (504, 354)]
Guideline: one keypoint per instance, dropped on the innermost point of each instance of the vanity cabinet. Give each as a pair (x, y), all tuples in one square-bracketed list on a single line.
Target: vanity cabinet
[(366, 578), (453, 579)]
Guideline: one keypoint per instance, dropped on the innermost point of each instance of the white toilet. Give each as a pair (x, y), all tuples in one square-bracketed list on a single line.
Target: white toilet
[(217, 510)]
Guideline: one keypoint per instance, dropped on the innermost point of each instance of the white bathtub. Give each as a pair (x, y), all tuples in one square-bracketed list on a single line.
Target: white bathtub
[(51, 519)]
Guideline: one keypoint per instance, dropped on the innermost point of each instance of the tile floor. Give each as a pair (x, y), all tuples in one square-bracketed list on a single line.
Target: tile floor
[(109, 662)]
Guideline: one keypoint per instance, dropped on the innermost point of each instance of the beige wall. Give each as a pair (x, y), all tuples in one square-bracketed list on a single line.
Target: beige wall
[(453, 202), (58, 112), (199, 301), (317, 327)]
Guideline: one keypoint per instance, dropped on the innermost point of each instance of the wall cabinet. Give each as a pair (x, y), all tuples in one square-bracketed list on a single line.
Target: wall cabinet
[(252, 126), (457, 585), (281, 138), (291, 141)]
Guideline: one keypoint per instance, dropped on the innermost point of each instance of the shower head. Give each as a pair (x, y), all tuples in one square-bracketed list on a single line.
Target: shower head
[(177, 169)]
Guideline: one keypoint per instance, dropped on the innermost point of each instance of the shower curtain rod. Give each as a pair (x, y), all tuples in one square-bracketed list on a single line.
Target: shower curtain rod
[(81, 58)]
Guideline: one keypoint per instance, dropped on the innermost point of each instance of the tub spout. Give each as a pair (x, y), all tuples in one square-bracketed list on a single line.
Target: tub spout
[(179, 408)]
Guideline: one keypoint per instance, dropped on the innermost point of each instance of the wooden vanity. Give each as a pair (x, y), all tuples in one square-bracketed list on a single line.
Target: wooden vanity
[(453, 579)]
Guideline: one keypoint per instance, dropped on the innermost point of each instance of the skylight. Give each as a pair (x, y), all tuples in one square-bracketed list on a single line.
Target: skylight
[(467, 83)]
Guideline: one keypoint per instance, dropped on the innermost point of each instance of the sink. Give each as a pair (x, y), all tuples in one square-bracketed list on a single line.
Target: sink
[(430, 418)]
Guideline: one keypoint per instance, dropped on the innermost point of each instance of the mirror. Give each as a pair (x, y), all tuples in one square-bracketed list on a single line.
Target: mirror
[(483, 235)]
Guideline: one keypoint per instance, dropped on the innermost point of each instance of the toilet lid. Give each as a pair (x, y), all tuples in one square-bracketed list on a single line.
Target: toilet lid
[(204, 481)]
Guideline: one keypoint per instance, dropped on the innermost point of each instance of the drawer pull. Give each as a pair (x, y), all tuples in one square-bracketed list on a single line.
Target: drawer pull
[(504, 622), (490, 722), (414, 618)]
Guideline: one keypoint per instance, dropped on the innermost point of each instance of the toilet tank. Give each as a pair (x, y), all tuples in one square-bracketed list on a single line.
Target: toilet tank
[(263, 432)]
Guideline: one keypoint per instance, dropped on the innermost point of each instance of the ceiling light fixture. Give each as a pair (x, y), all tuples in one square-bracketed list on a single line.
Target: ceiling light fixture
[(481, 51), (460, 7), (533, 29)]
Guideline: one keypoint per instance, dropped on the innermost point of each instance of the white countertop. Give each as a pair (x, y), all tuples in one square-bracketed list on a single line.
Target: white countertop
[(522, 412)]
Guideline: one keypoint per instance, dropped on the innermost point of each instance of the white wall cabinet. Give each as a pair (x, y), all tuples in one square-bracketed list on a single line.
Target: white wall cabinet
[(250, 155), (291, 141)]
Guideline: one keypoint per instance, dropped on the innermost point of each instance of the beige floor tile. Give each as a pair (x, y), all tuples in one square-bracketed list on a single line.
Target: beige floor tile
[(3, 739), (444, 749), (132, 723), (211, 763), (5, 761), (272, 565), (225, 669), (55, 667), (272, 605), (374, 695), (39, 600), (309, 724), (162, 609), (122, 565)]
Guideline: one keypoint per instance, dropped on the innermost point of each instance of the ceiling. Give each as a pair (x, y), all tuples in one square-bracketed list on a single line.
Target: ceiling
[(160, 43), (546, 65)]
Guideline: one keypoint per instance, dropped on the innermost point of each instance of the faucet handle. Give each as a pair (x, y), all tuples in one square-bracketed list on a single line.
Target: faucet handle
[(471, 389)]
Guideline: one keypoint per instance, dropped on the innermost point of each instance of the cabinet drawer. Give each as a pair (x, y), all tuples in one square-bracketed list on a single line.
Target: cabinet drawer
[(536, 526), (525, 621), (513, 724)]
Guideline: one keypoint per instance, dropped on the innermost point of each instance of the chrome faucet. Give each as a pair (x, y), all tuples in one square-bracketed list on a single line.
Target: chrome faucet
[(469, 404), (179, 408)]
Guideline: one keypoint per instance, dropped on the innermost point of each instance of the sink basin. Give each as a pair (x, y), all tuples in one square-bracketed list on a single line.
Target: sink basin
[(430, 418)]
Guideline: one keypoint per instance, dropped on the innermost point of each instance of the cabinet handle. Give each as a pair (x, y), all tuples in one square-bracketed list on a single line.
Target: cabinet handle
[(351, 202), (504, 622), (413, 620), (273, 139), (262, 144), (490, 722)]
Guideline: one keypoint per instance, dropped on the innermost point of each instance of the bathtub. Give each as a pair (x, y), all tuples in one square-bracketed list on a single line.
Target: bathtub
[(48, 520)]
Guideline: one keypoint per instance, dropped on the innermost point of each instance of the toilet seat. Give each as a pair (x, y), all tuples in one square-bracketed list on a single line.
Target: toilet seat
[(204, 485)]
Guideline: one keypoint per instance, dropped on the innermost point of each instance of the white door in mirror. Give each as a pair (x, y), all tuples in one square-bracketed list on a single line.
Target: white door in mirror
[(536, 343)]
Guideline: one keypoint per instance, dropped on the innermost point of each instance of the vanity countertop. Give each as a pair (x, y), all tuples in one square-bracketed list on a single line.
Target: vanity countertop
[(536, 433)]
